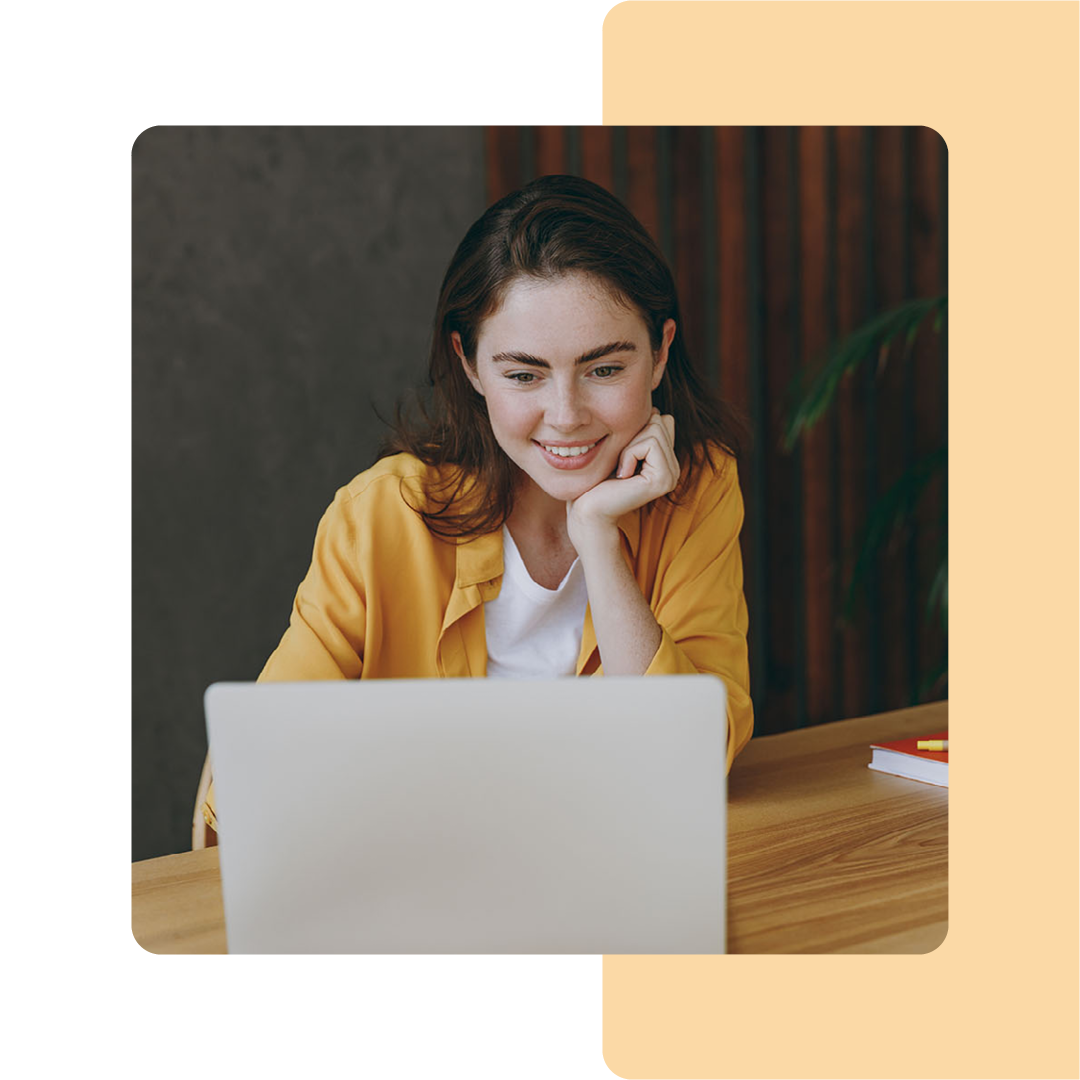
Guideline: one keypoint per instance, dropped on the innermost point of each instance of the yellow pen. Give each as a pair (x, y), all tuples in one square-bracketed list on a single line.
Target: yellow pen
[(932, 744)]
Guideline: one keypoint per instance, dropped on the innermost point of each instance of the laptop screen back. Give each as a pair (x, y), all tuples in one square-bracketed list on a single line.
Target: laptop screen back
[(472, 815)]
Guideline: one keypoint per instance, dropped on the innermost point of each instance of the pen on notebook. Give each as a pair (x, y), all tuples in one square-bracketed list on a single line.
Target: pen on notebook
[(932, 744)]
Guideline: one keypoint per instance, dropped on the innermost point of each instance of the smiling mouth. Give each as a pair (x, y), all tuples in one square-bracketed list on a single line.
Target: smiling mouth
[(569, 451), (570, 457)]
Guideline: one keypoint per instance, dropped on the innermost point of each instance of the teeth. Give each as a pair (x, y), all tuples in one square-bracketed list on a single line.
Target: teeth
[(568, 451)]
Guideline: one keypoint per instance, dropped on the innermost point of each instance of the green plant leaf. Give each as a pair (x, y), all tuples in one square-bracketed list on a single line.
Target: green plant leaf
[(809, 396), (888, 514), (939, 594), (939, 675)]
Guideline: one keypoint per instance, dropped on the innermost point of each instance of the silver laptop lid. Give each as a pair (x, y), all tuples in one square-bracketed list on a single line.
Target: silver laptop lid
[(472, 815)]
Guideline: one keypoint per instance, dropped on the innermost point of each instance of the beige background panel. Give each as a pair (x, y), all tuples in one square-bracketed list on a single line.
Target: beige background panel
[(998, 81)]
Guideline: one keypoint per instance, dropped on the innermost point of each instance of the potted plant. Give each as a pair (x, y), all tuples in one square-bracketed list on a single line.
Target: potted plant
[(812, 394)]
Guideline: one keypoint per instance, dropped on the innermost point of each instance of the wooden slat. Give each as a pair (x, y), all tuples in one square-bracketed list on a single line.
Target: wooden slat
[(731, 269), (818, 557), (909, 556), (707, 359), (753, 474), (927, 161), (550, 150), (572, 140), (689, 249), (782, 305), (889, 274), (733, 305), (851, 304), (641, 194), (502, 154), (596, 156), (871, 588)]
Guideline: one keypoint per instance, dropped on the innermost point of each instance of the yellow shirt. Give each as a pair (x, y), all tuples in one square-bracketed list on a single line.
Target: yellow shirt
[(387, 599)]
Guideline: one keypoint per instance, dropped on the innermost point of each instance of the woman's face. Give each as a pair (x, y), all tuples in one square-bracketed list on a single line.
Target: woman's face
[(567, 373)]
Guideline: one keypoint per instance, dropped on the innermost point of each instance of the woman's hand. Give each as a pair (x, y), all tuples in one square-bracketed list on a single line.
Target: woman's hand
[(627, 632), (593, 515)]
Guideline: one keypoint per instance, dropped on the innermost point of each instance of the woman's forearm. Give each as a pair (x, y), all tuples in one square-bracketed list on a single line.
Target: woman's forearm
[(626, 632)]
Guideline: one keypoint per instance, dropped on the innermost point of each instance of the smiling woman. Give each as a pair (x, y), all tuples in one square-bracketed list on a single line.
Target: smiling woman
[(569, 505), (567, 373)]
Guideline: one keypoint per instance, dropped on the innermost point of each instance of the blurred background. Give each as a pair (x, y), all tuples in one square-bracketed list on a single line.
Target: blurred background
[(284, 283)]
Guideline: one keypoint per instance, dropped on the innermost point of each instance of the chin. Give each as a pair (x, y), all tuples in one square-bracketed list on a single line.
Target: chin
[(568, 488), (568, 491)]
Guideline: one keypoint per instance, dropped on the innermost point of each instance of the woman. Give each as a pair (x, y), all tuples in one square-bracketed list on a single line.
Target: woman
[(570, 505)]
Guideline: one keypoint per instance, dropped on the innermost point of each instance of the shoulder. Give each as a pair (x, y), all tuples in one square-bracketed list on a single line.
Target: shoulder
[(715, 479), (388, 475), (714, 491), (718, 469), (384, 497), (401, 489), (710, 504)]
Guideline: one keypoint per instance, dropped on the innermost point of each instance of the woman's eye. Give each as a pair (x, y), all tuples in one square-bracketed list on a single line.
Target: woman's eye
[(523, 377), (606, 371)]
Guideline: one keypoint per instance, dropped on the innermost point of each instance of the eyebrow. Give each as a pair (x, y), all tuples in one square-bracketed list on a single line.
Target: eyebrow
[(584, 358)]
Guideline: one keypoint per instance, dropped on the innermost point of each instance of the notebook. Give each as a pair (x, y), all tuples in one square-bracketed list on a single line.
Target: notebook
[(903, 758), (577, 815)]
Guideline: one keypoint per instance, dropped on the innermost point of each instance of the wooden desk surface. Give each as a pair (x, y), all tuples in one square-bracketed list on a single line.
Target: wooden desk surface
[(824, 855)]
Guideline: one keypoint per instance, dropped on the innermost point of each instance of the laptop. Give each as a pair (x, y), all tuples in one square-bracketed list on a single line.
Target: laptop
[(575, 815)]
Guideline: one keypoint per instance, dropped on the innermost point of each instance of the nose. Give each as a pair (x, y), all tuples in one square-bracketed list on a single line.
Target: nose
[(567, 409)]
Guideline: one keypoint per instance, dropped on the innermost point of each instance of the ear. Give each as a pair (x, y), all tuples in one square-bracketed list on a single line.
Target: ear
[(470, 369), (660, 363)]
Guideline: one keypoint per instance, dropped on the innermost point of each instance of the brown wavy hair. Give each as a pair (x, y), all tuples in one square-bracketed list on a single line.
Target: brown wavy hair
[(553, 226)]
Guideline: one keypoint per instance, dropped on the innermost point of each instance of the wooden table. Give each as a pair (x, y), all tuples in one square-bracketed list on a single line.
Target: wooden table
[(828, 856), (824, 855)]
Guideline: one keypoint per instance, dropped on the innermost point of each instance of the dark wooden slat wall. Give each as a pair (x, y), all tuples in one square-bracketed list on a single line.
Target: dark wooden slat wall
[(688, 240), (817, 641), (781, 240), (852, 309), (929, 269)]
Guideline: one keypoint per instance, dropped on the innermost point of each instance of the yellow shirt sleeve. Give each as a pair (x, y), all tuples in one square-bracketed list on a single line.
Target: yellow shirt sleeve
[(208, 812), (699, 601), (325, 637)]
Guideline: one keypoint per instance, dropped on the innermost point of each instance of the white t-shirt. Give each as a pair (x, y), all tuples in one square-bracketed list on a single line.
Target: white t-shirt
[(533, 632)]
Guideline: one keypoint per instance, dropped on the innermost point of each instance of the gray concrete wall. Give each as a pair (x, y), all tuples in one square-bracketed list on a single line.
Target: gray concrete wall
[(284, 282)]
